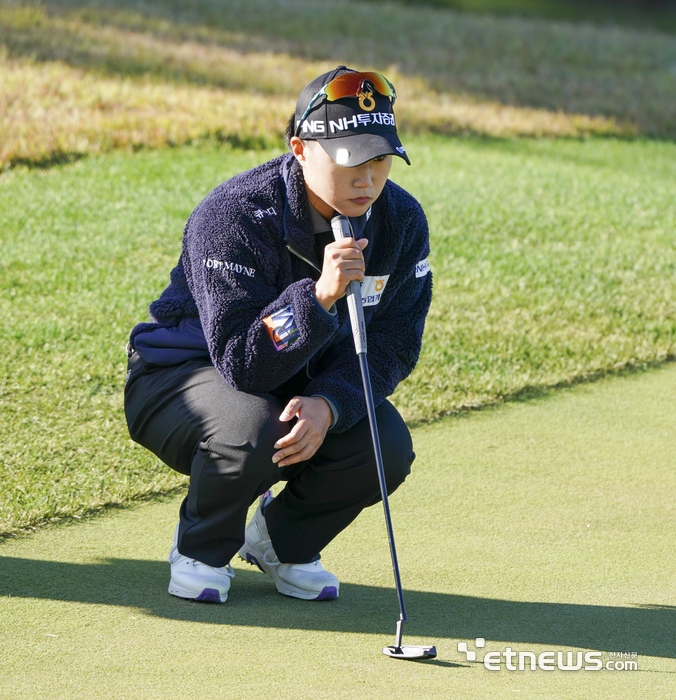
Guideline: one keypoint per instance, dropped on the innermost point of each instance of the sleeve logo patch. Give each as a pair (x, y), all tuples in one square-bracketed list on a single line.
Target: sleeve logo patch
[(282, 328), (422, 268), (372, 289)]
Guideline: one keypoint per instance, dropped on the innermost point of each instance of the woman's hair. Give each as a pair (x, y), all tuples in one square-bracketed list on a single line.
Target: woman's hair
[(290, 130)]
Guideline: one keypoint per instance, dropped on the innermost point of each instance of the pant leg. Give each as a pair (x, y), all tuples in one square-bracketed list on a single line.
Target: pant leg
[(327, 492), (223, 438)]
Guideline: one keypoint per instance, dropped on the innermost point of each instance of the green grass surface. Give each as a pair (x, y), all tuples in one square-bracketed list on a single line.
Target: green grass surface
[(541, 526), (649, 14), (85, 248), (553, 261), (610, 71)]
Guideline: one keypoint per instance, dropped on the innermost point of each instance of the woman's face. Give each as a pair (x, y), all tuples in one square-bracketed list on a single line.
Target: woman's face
[(331, 187)]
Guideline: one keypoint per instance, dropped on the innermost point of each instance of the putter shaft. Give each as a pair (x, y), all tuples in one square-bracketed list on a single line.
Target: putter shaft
[(370, 408), (342, 229)]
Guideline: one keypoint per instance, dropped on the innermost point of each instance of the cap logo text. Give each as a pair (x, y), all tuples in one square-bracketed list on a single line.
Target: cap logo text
[(343, 124), (315, 126), (318, 126)]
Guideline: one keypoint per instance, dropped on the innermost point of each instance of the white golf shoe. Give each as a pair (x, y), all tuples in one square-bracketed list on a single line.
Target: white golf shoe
[(197, 581), (306, 581)]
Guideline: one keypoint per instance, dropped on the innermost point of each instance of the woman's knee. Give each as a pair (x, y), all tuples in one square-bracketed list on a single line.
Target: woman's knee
[(258, 423), (396, 445), (229, 467), (396, 449)]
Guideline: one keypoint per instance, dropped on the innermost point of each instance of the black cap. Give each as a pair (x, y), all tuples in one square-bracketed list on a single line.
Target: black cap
[(351, 130)]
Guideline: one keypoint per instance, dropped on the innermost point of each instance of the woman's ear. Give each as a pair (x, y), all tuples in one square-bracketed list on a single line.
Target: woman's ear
[(298, 147)]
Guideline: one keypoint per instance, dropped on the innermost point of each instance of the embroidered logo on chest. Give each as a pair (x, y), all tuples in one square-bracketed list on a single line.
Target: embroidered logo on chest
[(260, 213), (372, 289), (212, 264)]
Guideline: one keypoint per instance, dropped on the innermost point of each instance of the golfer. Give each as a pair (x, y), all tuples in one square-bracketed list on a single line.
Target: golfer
[(247, 373)]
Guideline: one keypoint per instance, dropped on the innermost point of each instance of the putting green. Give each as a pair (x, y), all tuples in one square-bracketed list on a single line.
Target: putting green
[(545, 525)]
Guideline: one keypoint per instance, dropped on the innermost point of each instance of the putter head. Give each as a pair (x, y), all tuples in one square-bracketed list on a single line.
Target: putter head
[(410, 652)]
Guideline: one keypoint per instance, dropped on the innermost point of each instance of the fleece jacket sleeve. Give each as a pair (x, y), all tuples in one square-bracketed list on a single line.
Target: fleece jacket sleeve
[(394, 338), (257, 338)]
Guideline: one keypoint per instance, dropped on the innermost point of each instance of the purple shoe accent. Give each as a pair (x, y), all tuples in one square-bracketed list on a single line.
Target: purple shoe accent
[(328, 593), (209, 595), (252, 560)]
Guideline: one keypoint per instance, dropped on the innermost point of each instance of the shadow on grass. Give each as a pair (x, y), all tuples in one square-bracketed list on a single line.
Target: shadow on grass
[(254, 602)]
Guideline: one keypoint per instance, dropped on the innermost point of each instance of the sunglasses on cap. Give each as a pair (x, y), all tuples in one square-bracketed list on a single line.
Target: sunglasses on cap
[(352, 85)]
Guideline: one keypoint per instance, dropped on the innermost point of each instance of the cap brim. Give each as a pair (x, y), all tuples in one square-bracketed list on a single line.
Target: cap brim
[(351, 151)]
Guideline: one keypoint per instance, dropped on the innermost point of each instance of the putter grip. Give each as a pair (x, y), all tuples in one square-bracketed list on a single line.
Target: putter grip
[(341, 228)]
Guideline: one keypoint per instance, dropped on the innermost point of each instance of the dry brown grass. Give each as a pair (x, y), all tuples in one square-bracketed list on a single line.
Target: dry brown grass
[(49, 111), (72, 85)]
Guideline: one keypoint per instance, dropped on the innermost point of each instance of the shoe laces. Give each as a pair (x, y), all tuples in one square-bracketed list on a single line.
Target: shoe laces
[(271, 559), (221, 569)]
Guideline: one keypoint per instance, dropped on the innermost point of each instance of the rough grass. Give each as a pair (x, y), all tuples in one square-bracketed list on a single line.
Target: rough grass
[(51, 112), (84, 78), (527, 62), (553, 260), (83, 250), (657, 15)]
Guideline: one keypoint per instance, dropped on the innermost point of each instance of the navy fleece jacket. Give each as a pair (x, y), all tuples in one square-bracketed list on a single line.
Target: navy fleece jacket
[(248, 260)]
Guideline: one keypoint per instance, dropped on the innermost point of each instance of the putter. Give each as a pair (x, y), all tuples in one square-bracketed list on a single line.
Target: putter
[(342, 229)]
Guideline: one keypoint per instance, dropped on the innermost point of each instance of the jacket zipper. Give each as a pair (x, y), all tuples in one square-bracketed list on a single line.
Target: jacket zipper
[(303, 258)]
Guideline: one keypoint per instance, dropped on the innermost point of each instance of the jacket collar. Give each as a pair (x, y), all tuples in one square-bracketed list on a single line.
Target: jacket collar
[(297, 220)]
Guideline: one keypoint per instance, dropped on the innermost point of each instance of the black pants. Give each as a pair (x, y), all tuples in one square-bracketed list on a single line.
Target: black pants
[(223, 438)]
